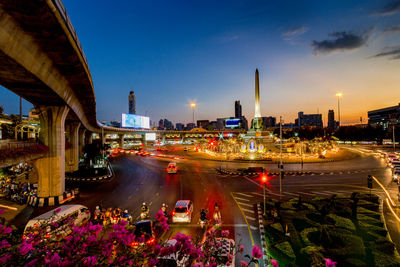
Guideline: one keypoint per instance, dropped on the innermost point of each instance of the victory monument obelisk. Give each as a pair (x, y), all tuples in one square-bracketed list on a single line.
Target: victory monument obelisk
[(257, 122)]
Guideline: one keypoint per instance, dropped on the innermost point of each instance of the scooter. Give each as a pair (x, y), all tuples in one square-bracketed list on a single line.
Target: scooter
[(144, 215)]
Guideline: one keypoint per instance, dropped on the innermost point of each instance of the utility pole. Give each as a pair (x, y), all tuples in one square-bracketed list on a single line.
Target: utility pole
[(280, 164), (394, 139)]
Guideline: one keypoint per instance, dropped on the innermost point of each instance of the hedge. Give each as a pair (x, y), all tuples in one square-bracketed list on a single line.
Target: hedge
[(304, 235), (369, 220), (283, 253), (342, 222)]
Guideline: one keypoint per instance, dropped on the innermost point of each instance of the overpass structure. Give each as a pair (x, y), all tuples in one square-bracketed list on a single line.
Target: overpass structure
[(42, 61)]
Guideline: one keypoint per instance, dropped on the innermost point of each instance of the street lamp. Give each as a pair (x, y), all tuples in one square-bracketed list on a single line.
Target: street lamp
[(339, 95), (193, 105)]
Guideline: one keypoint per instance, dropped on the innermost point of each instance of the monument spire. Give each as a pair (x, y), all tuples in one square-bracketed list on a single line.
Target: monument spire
[(257, 98)]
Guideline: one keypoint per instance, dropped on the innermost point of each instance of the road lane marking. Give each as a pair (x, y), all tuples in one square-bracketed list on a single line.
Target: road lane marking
[(245, 204), (247, 223), (304, 193), (320, 193), (242, 199), (251, 218), (243, 194), (287, 193), (330, 192), (251, 211)]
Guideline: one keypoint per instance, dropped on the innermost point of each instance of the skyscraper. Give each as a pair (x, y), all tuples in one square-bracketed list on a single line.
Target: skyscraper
[(238, 109), (132, 103), (331, 119)]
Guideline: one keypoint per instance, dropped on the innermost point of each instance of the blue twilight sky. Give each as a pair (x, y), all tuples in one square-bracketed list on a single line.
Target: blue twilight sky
[(174, 52)]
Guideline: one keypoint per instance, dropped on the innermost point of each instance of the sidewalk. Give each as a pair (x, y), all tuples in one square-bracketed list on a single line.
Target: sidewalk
[(11, 209)]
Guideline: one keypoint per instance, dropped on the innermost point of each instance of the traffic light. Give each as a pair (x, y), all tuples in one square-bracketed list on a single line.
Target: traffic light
[(264, 178), (369, 181)]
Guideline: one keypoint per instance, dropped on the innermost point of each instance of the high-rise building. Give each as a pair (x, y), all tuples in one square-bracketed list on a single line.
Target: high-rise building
[(202, 123), (161, 124), (384, 117), (238, 109), (309, 120), (132, 103), (331, 119), (180, 126)]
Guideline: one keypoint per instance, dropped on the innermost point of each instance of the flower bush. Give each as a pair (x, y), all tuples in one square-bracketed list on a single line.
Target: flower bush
[(92, 245)]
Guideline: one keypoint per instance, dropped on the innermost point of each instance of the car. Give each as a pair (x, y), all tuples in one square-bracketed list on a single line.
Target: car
[(183, 211), (54, 221), (221, 253), (144, 233), (396, 175), (185, 149), (172, 168)]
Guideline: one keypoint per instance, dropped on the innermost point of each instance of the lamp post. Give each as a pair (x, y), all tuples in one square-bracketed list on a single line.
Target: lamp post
[(339, 95), (280, 156), (193, 105)]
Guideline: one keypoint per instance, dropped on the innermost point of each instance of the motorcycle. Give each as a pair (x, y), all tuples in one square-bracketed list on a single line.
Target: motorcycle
[(144, 215), (114, 220), (203, 223), (217, 219)]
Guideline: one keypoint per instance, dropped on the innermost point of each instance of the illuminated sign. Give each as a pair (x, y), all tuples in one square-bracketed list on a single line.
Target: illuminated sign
[(135, 121), (232, 123), (150, 137)]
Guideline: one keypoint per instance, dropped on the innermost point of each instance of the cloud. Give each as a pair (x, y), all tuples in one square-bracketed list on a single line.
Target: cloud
[(294, 33), (392, 8), (393, 29), (341, 41), (391, 52)]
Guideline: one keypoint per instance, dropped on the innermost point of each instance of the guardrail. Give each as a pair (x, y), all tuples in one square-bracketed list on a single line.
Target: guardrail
[(61, 9), (16, 144)]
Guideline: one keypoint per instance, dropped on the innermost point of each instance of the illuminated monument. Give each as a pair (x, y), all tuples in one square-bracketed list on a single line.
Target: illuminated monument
[(255, 142), (257, 122)]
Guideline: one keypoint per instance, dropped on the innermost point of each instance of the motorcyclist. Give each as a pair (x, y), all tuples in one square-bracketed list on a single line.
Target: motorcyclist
[(97, 213), (145, 208), (164, 209), (126, 216), (217, 214), (203, 215)]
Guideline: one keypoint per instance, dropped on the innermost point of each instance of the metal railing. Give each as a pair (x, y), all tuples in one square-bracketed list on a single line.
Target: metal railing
[(16, 144), (61, 9)]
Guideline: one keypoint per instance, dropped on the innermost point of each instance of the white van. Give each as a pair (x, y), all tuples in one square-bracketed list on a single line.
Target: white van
[(79, 214)]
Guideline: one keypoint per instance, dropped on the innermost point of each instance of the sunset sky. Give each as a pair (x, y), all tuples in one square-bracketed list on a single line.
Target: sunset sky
[(174, 52)]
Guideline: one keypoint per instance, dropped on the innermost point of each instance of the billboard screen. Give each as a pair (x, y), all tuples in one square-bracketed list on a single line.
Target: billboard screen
[(232, 123), (135, 121), (150, 136)]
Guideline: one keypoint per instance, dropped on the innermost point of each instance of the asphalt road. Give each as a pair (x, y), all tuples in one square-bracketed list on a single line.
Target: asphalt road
[(144, 179)]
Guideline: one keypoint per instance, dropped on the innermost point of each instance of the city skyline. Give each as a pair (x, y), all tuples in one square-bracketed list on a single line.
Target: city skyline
[(303, 59)]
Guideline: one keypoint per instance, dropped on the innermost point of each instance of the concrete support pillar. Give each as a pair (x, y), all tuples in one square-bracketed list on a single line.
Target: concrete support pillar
[(89, 137), (82, 132), (72, 153), (51, 168), (121, 140)]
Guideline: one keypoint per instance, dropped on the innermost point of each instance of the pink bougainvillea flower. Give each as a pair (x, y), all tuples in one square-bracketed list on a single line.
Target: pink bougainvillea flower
[(90, 261), (243, 264), (4, 244), (58, 210), (225, 233), (25, 248), (274, 263), (153, 262), (5, 230), (330, 263), (256, 252)]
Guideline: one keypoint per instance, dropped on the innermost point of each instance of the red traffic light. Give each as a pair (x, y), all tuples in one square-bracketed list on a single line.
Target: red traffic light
[(264, 178)]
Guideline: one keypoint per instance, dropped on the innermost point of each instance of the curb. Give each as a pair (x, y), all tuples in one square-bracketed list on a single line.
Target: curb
[(50, 201), (262, 236), (94, 179)]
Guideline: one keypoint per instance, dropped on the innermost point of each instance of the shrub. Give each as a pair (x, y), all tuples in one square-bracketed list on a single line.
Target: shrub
[(369, 220), (313, 256), (352, 245), (302, 223), (341, 222), (372, 228), (382, 259), (352, 262), (283, 253), (368, 205), (304, 235), (370, 213), (277, 226)]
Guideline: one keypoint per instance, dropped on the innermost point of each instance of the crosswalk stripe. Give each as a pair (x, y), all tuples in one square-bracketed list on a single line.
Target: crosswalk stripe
[(258, 194), (251, 211), (243, 194), (304, 193), (321, 193), (245, 204), (253, 227), (251, 218), (244, 199), (287, 193)]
